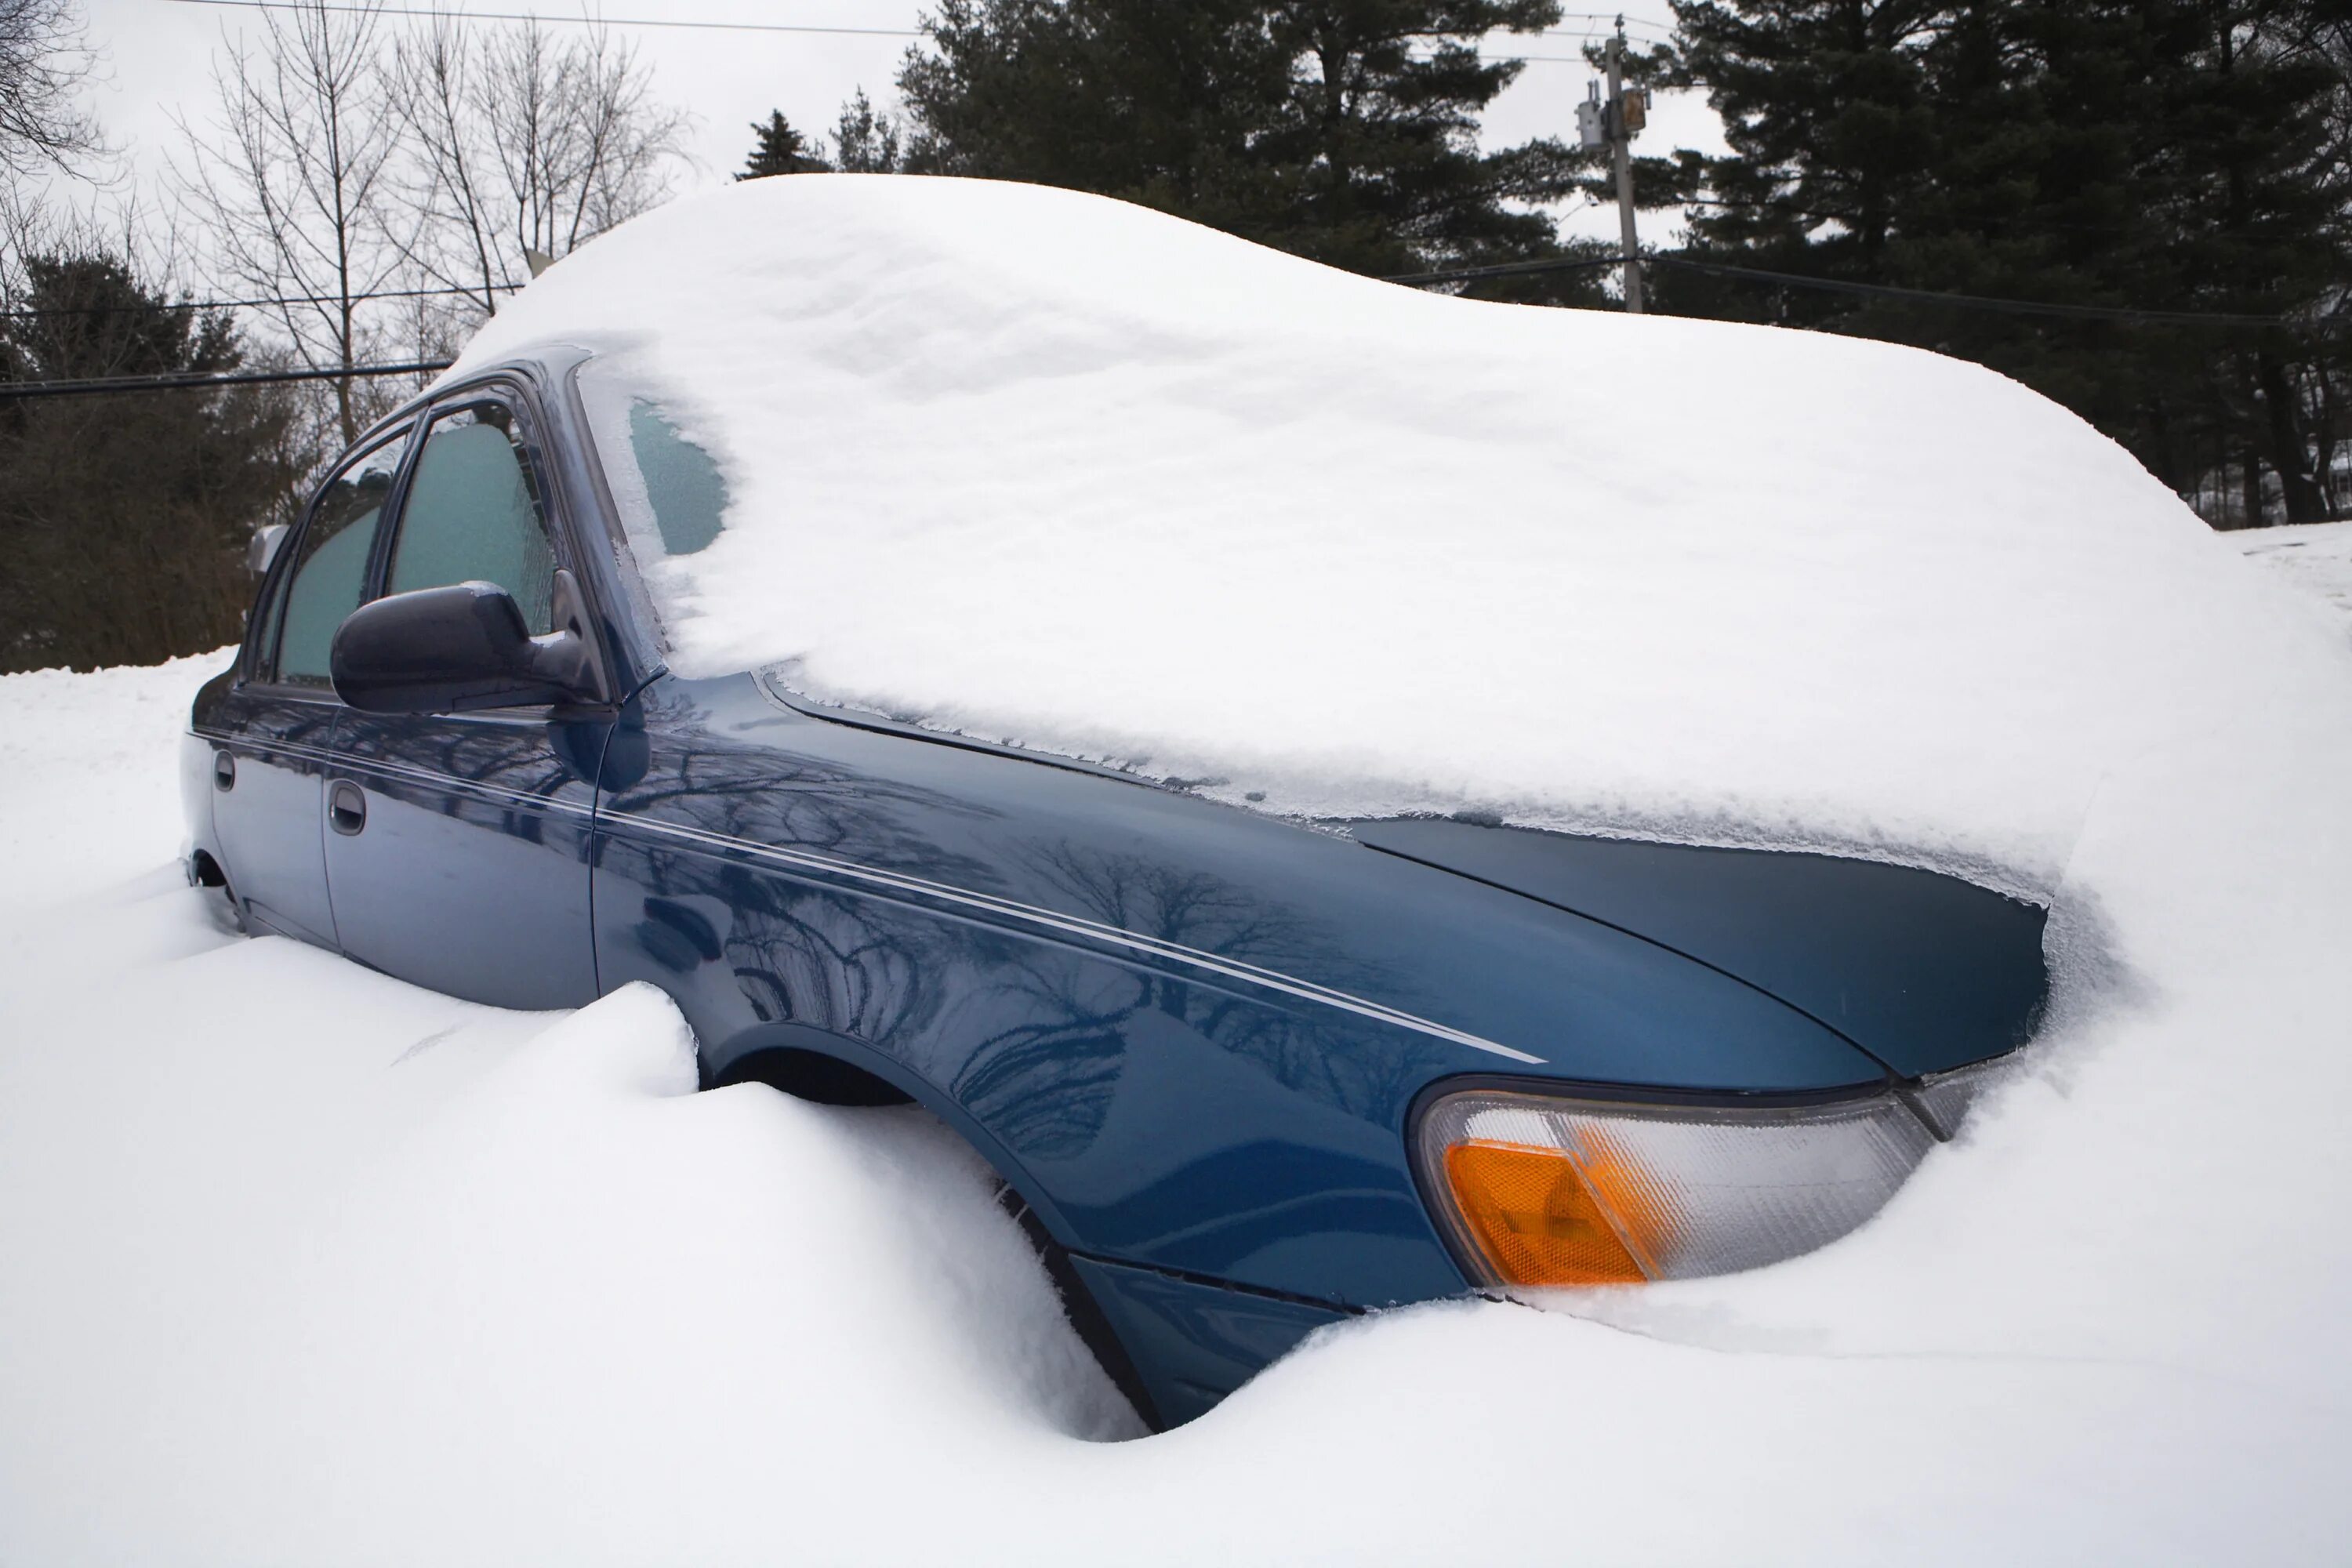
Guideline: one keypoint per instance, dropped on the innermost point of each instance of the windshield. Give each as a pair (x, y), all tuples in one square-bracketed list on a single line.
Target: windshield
[(671, 495)]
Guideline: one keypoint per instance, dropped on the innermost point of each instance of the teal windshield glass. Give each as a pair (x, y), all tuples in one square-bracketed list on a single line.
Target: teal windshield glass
[(688, 495)]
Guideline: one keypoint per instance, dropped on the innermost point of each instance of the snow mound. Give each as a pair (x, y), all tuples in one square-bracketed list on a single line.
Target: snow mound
[(1041, 466)]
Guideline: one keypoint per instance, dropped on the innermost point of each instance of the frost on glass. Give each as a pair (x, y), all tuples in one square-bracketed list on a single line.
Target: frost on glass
[(682, 487), (671, 494)]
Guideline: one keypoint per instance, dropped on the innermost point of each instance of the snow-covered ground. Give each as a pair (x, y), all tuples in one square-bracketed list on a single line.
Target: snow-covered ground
[(2315, 555), (298, 1264)]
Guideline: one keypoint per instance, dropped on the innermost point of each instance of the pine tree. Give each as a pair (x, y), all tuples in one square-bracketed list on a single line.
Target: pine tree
[(1826, 106), (2256, 201), (1386, 95), (781, 149), (2156, 155), (1151, 103), (1342, 130), (124, 518)]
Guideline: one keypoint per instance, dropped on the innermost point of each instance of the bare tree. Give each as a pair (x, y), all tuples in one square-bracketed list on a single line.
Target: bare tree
[(526, 143), (43, 60), (291, 184)]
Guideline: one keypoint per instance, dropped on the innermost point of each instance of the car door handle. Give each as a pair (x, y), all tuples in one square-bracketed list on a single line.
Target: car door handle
[(346, 806), (224, 771)]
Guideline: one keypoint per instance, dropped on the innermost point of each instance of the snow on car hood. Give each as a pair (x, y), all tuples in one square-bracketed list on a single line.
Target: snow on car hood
[(1052, 469)]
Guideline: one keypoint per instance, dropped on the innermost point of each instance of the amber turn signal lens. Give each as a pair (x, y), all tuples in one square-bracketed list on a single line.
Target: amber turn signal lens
[(1534, 1217), (1537, 1189)]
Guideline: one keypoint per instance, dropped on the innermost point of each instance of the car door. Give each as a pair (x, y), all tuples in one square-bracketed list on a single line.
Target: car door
[(272, 734), (456, 844)]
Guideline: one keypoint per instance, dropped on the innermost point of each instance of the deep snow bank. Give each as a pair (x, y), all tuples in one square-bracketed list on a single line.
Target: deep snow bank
[(1048, 467), (298, 1264)]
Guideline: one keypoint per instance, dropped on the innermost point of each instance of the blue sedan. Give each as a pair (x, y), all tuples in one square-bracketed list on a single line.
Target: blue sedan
[(1241, 1077)]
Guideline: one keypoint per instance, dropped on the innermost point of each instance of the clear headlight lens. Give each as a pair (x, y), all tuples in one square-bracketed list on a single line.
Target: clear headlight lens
[(1537, 1190)]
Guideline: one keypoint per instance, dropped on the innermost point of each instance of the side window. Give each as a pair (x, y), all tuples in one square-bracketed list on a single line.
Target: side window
[(474, 513), (329, 578)]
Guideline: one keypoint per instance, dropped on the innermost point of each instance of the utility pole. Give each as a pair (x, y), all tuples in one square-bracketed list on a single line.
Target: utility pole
[(1622, 127), (1614, 124)]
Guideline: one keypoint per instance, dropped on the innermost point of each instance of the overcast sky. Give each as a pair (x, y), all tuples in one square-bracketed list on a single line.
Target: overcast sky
[(158, 53)]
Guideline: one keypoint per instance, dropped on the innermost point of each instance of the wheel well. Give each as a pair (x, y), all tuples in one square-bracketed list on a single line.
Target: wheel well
[(811, 1076), (1084, 1313), (206, 870)]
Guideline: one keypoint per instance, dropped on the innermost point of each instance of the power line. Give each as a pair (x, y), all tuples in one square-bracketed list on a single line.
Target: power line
[(1501, 269), (200, 381), (685, 24), (1982, 301), (29, 312), (1841, 286), (1659, 32)]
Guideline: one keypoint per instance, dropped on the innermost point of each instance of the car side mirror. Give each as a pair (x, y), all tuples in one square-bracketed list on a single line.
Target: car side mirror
[(456, 649)]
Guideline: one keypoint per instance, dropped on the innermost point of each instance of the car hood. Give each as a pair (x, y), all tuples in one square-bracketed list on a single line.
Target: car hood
[(1925, 972)]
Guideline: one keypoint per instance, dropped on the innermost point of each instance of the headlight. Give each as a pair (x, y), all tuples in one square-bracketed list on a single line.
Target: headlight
[(1535, 1189)]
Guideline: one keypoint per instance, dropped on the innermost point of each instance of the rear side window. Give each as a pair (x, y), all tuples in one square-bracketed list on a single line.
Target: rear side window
[(327, 579), (475, 514)]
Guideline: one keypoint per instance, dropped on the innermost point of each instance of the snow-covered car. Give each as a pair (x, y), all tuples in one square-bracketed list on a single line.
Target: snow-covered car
[(924, 629)]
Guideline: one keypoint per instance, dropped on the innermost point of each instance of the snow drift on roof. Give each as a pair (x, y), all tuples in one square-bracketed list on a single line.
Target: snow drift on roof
[(1049, 468)]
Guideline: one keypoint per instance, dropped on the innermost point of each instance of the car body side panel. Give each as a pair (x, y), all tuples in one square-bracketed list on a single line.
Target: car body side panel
[(268, 823), (470, 873), (1194, 1342), (197, 786), (1080, 966)]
